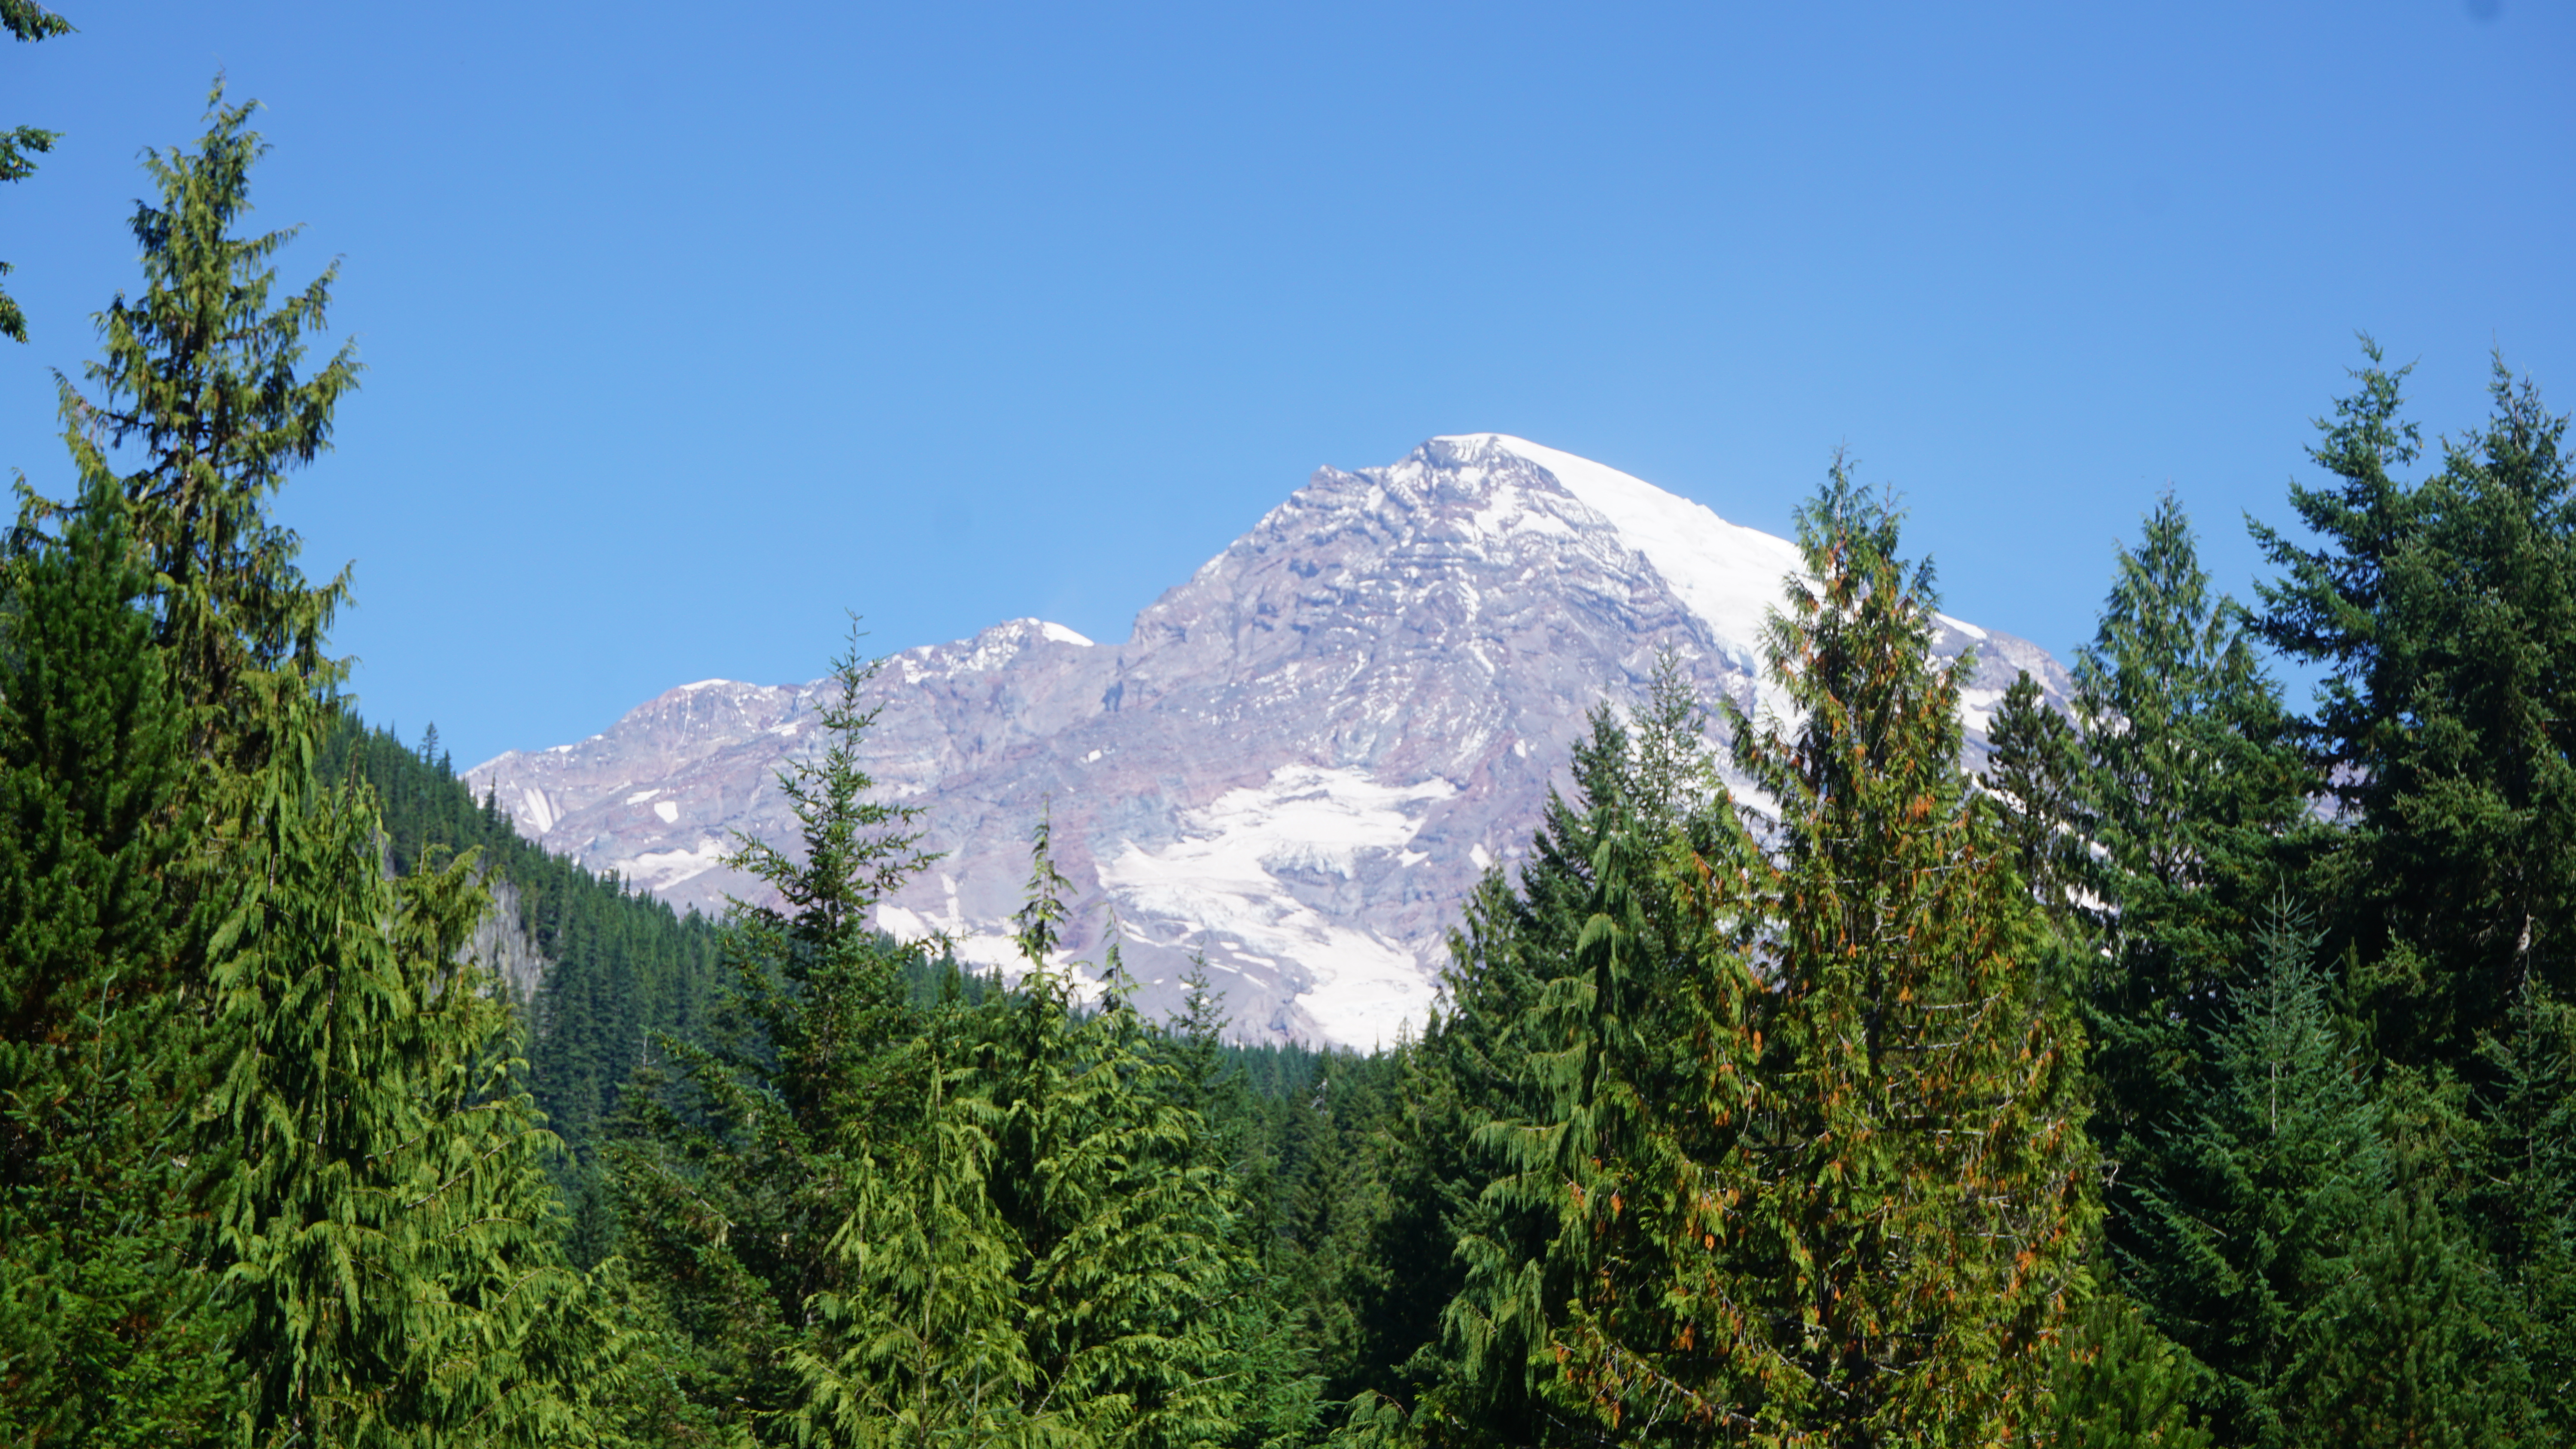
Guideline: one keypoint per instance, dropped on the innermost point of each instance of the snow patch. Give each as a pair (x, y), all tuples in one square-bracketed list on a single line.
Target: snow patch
[(535, 810), (1977, 708), (640, 796), (669, 810), (1062, 635), (1220, 878), (659, 870)]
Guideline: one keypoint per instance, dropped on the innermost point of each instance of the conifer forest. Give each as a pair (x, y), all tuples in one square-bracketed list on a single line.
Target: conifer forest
[(2200, 1070)]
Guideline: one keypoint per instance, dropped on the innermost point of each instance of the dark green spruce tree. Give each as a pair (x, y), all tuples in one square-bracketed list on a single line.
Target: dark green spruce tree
[(106, 1334), (1430, 1343), (2444, 616)]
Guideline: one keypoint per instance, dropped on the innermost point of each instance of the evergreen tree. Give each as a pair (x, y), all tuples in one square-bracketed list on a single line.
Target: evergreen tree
[(748, 1201), (1631, 1042), (25, 20), (382, 1215), (1460, 1362), (2444, 615), (367, 1199), (105, 1332), (2122, 1385), (921, 1347), (2193, 802), (1120, 1238), (2035, 760), (199, 377), (2526, 1197), (1904, 1202), (2269, 1184)]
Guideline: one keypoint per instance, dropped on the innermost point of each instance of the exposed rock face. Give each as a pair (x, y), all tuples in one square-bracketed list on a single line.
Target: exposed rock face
[(1298, 763), (502, 945)]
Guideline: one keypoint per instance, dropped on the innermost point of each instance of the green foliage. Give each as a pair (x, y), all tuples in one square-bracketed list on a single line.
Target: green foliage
[(2036, 761), (2187, 806), (2445, 616), (199, 377), (2122, 1385), (27, 21), (620, 965), (2268, 1184), (383, 1221), (879, 1222), (2525, 1199), (1733, 1126), (105, 1333), (300, 1196), (1775, 1136), (1911, 1145)]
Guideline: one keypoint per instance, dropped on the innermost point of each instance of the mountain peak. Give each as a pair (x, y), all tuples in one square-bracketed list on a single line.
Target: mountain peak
[(1296, 767)]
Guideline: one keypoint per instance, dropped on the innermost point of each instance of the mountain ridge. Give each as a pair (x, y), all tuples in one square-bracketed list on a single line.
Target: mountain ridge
[(1297, 763)]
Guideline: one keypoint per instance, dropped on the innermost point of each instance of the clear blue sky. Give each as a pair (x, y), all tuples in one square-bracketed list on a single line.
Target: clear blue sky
[(689, 326)]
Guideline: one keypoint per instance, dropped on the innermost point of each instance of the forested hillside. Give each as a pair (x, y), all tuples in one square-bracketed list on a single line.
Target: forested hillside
[(2203, 1073)]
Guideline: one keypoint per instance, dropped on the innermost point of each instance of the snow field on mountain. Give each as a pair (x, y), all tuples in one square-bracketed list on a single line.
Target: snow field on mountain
[(1727, 574), (1219, 880)]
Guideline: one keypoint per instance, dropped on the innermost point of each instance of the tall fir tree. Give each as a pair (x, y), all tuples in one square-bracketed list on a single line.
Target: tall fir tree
[(1906, 1200), (1632, 1044), (1459, 1347), (2268, 1181), (1121, 1231), (747, 1199), (2444, 616), (198, 387), (370, 1215), (2035, 764), (2190, 806), (106, 1332)]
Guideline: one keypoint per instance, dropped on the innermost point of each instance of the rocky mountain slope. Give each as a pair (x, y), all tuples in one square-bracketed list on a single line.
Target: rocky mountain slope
[(1298, 762)]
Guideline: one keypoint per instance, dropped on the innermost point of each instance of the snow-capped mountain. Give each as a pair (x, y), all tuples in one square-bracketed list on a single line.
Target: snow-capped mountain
[(1299, 761)]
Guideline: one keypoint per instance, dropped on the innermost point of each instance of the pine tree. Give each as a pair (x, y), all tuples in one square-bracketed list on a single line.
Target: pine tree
[(106, 1335), (2268, 1185), (1121, 1239), (2526, 1196), (199, 377), (1904, 1205), (2035, 760), (2194, 804), (2122, 1385), (2445, 616), (382, 1213), (367, 1194), (1632, 1042), (1444, 1309), (921, 1346), (749, 1200)]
